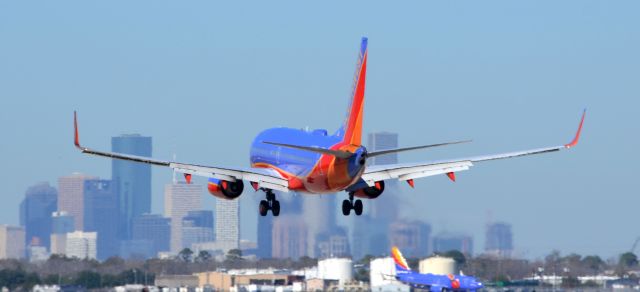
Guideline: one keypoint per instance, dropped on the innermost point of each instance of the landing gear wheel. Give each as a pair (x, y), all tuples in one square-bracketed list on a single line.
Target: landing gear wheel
[(275, 207), (357, 207), (346, 207), (263, 208)]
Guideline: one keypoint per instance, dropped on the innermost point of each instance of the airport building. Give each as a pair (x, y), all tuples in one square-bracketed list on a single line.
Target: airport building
[(179, 199), (35, 212), (12, 242), (133, 180)]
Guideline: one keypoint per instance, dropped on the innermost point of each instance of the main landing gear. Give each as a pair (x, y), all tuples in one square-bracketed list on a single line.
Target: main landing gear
[(269, 204), (349, 204)]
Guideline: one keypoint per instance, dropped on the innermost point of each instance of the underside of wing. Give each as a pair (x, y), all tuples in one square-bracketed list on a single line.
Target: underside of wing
[(265, 178)]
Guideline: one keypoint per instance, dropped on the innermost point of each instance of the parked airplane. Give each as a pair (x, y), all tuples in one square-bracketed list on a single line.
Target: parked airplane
[(433, 282), (286, 159)]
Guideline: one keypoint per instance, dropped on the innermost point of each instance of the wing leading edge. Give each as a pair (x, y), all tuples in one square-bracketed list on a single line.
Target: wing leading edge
[(409, 171), (265, 178)]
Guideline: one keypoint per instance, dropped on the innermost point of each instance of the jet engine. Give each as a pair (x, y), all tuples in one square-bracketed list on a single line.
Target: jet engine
[(370, 192), (225, 189)]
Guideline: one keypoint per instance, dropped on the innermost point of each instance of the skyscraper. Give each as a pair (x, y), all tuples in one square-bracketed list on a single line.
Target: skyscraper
[(71, 197), (179, 199), (100, 205), (82, 245), (227, 223), (62, 223), (444, 242), (320, 218), (133, 180), (35, 212), (499, 239), (155, 230), (265, 237), (333, 243), (197, 227), (12, 242), (410, 237), (289, 237)]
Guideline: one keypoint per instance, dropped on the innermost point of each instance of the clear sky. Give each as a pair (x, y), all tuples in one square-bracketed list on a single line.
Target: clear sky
[(203, 78)]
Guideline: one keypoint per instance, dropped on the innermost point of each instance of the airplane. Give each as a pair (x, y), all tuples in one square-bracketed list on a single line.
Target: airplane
[(314, 162), (433, 282)]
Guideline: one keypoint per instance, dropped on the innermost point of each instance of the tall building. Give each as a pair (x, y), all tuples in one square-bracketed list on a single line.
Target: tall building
[(227, 223), (197, 227), (133, 180), (444, 242), (499, 239), (71, 197), (179, 199), (383, 141), (410, 237), (82, 245), (289, 237), (265, 237), (62, 222), (12, 242), (155, 230), (320, 218), (100, 205), (35, 212), (334, 243)]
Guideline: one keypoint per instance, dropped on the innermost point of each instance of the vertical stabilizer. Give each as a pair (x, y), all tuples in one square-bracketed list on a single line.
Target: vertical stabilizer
[(401, 264), (351, 130)]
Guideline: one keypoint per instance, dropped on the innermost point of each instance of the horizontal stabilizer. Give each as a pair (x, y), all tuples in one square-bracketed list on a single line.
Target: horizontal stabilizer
[(389, 151), (336, 153)]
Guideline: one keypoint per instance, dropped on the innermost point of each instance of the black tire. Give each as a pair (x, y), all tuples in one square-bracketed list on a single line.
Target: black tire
[(358, 207), (346, 207), (263, 208), (275, 207)]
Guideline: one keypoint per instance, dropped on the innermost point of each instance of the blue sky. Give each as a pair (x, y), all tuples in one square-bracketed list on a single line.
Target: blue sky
[(203, 78)]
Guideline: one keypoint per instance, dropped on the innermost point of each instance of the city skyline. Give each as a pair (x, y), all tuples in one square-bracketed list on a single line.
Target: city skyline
[(507, 76)]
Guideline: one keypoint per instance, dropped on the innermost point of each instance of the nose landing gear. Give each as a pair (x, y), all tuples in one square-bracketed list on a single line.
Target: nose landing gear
[(269, 204), (348, 205)]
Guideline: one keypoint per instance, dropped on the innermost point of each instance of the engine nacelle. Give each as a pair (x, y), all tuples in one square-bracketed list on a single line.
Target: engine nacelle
[(225, 189), (370, 192)]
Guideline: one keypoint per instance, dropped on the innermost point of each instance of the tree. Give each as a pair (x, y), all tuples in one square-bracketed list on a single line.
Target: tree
[(185, 255), (234, 254), (593, 262), (457, 256), (88, 279), (628, 260), (203, 256)]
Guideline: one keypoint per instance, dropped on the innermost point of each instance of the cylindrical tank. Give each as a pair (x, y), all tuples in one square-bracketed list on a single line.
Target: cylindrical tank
[(438, 265), (340, 269)]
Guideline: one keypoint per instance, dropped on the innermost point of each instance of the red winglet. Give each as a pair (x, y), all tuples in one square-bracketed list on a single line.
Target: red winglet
[(76, 138), (411, 183), (577, 137), (187, 177), (452, 176)]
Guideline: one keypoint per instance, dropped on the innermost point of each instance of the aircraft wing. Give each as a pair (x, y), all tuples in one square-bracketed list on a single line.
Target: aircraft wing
[(410, 171), (266, 178)]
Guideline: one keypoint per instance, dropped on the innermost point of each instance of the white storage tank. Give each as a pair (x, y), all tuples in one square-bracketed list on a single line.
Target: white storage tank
[(340, 269), (438, 265)]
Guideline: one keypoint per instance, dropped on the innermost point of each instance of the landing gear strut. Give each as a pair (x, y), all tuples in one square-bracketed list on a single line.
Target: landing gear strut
[(348, 205), (269, 204)]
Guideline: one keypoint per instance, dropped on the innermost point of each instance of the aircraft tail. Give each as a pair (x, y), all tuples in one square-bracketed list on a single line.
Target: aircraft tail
[(351, 130), (401, 264)]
